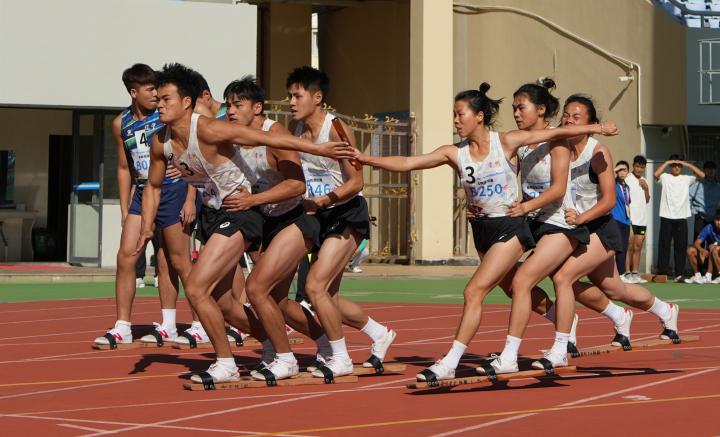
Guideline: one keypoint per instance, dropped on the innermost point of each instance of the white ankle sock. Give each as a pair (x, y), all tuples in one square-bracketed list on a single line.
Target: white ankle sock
[(661, 309), (374, 330), (196, 324), (169, 319), (123, 327), (452, 359), (615, 313), (512, 346), (550, 314), (228, 363), (339, 350), (323, 345), (287, 357), (561, 341)]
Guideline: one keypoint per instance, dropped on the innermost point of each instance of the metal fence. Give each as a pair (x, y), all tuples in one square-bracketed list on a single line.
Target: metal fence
[(389, 194)]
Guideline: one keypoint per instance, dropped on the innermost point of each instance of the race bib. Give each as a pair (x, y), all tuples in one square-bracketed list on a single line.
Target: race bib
[(210, 193), (319, 184), (141, 154), (533, 189)]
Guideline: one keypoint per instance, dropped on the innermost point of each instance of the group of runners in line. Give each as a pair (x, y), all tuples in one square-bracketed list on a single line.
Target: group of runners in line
[(278, 193)]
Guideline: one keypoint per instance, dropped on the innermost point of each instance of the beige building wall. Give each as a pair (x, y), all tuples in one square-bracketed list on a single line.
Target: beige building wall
[(507, 49), (366, 52), (284, 43), (27, 132)]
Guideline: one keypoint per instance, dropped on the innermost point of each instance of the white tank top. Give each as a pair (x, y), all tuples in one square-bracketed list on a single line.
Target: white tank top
[(263, 177), (490, 185), (585, 193), (322, 175), (216, 181), (535, 171)]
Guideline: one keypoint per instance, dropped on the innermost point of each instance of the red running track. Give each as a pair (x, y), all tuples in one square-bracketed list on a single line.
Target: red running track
[(54, 383)]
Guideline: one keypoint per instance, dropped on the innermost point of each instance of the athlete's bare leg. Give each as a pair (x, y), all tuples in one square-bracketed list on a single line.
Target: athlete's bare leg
[(125, 276), (551, 251), (541, 302), (217, 262), (494, 265), (278, 262), (331, 261)]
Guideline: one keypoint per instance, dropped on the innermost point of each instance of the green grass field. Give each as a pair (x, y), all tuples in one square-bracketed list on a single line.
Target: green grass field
[(441, 291)]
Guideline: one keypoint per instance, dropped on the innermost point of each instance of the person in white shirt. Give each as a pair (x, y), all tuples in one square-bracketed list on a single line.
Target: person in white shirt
[(639, 190), (674, 211)]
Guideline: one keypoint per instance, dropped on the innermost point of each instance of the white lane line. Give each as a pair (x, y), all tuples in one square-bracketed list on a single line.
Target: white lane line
[(569, 404), (84, 428)]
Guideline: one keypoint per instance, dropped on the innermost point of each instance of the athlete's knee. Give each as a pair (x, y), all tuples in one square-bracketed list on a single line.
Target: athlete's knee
[(255, 290), (195, 291), (474, 294), (691, 251)]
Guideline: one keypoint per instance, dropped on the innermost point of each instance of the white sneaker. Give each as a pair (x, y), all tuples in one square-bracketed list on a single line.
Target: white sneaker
[(167, 334), (155, 282), (438, 372), (379, 348), (320, 360), (121, 333), (670, 325), (622, 337), (555, 359), (280, 370), (219, 374), (139, 283), (639, 279), (627, 278), (197, 332), (716, 280), (338, 366), (238, 333), (499, 366), (694, 279), (354, 269), (707, 279)]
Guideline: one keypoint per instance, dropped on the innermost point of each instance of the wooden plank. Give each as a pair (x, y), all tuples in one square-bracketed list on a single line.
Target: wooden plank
[(640, 344), (248, 342), (481, 379), (360, 370), (655, 278), (252, 383)]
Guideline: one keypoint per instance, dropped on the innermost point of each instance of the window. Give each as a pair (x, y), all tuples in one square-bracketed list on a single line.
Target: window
[(7, 178), (709, 72)]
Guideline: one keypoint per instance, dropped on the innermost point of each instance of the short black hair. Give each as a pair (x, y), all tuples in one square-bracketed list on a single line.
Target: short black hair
[(202, 84), (246, 88), (587, 102), (623, 162), (137, 76), (675, 157), (310, 78), (184, 78), (479, 101), (717, 214), (539, 94), (710, 164), (639, 159)]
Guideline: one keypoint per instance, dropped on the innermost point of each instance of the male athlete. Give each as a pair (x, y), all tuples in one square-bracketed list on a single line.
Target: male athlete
[(134, 129), (203, 150)]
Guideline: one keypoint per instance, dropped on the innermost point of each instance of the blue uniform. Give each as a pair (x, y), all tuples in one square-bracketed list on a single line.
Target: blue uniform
[(709, 235), (137, 137)]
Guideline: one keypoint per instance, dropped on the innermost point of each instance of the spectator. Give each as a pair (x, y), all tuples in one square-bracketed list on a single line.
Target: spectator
[(674, 211), (705, 248), (640, 193), (705, 198), (620, 213)]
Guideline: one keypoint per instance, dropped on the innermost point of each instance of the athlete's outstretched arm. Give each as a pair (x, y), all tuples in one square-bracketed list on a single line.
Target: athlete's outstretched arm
[(212, 131), (151, 192), (559, 168), (516, 138), (602, 164), (436, 158), (124, 177)]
